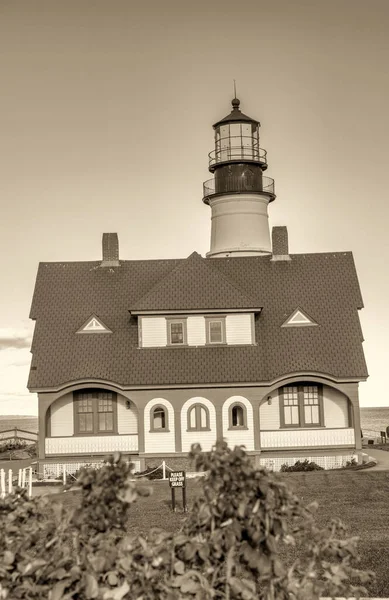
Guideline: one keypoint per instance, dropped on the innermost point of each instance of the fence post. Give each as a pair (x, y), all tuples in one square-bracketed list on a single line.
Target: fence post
[(10, 481), (163, 470), (64, 475), (23, 478), (20, 478), (29, 482), (2, 483)]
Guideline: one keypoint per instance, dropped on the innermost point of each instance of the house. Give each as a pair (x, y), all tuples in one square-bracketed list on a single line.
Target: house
[(252, 343)]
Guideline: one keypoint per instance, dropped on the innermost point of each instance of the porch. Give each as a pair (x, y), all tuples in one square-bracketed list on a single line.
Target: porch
[(55, 446), (307, 438)]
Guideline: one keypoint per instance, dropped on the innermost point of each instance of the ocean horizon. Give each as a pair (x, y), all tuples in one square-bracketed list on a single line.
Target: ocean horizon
[(373, 419)]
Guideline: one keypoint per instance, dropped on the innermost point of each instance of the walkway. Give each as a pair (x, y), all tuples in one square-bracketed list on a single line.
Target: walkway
[(382, 458)]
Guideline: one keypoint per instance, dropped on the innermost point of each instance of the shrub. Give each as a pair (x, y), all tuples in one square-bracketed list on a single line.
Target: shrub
[(299, 465), (10, 445), (15, 444), (229, 547)]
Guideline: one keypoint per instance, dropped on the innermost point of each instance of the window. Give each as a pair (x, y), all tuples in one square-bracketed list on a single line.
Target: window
[(302, 406), (94, 412), (176, 332), (215, 330), (198, 418), (158, 419), (311, 404), (237, 417)]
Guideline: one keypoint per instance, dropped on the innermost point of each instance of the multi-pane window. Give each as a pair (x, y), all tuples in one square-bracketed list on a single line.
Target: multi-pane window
[(291, 406), (215, 330), (85, 416), (176, 332), (311, 404), (159, 419), (105, 414), (95, 412), (301, 406), (237, 418), (198, 418)]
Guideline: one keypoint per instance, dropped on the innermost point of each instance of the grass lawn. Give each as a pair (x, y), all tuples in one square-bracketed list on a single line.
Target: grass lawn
[(359, 499)]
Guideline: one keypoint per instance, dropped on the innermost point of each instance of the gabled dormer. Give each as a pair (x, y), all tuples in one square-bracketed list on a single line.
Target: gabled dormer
[(195, 305)]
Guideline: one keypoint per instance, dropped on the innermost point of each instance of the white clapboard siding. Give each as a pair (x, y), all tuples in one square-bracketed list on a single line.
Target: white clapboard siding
[(127, 417), (269, 414), (196, 331), (158, 441), (238, 437), (206, 439), (92, 444), (62, 416), (307, 437), (335, 408), (153, 332), (238, 329)]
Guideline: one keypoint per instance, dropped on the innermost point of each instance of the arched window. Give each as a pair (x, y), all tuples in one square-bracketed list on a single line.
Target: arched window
[(198, 418), (159, 418), (238, 418)]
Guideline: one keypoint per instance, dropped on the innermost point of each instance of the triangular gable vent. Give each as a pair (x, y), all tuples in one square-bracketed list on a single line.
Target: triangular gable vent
[(298, 318), (94, 325)]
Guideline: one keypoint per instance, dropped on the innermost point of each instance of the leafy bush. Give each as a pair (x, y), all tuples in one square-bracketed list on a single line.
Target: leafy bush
[(304, 465), (10, 445), (15, 444), (229, 547), (350, 463)]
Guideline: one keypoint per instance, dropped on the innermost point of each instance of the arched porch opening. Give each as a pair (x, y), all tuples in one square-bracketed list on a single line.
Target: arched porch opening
[(307, 412), (89, 419)]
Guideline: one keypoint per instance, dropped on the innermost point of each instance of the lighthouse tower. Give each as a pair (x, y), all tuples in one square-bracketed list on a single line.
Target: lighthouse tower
[(239, 193)]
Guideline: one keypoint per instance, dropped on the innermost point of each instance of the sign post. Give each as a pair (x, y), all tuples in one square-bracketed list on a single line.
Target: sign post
[(177, 479)]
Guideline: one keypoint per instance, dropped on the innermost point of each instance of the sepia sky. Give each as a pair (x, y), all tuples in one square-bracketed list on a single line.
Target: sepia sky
[(106, 114)]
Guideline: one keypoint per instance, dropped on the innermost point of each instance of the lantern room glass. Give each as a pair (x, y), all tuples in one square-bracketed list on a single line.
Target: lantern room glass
[(237, 141)]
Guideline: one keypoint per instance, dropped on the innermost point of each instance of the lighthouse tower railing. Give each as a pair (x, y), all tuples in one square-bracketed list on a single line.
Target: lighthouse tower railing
[(237, 185), (235, 148)]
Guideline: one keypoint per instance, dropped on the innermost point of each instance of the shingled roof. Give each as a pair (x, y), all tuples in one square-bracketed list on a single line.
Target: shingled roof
[(180, 290), (323, 285)]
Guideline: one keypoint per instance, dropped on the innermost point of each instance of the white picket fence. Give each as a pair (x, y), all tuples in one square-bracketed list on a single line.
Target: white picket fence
[(7, 484)]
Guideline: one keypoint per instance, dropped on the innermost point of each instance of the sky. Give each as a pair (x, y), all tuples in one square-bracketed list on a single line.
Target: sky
[(106, 116)]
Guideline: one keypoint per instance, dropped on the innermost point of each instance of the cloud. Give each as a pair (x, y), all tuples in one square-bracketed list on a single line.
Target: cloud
[(11, 338)]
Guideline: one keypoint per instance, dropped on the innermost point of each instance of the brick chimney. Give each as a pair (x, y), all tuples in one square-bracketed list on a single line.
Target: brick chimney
[(280, 246), (110, 250)]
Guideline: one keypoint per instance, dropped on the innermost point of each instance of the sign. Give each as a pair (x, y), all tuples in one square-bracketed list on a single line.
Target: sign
[(177, 479)]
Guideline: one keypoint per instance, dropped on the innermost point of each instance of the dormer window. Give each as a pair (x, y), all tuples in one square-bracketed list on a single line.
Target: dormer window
[(215, 330), (176, 332)]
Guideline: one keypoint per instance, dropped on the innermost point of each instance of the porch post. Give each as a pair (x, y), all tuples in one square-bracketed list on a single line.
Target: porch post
[(354, 399), (219, 422), (177, 429), (43, 408)]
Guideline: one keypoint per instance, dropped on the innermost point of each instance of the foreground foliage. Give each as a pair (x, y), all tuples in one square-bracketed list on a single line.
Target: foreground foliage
[(230, 546), (301, 465)]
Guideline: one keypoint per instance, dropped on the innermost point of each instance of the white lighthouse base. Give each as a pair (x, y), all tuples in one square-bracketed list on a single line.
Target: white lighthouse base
[(240, 225)]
